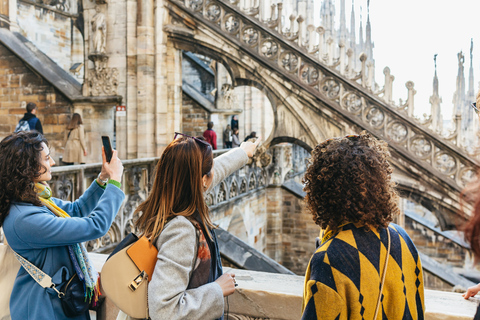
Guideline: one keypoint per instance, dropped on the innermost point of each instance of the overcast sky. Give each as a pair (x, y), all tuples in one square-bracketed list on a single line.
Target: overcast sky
[(407, 34)]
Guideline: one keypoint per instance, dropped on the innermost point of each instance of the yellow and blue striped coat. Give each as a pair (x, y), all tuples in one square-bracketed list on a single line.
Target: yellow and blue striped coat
[(343, 277)]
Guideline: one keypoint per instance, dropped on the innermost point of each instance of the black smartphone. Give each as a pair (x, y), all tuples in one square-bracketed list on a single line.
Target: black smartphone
[(108, 148), (474, 106)]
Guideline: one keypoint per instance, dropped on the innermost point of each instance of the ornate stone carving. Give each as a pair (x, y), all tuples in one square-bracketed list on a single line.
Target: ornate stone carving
[(375, 117), (421, 146), (62, 187), (466, 175), (250, 36), (213, 12), (331, 88), (397, 131), (196, 5), (445, 163), (289, 61), (99, 32), (353, 103), (103, 82), (269, 48), (232, 23), (309, 74), (222, 193), (252, 181), (233, 189), (243, 186)]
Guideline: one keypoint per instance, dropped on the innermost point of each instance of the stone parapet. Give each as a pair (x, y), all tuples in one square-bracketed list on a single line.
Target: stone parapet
[(262, 295)]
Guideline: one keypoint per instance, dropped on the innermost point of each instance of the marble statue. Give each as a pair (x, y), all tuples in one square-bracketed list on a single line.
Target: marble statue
[(99, 32)]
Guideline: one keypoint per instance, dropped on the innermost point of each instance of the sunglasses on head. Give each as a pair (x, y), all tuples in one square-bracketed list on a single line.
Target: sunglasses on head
[(204, 143), (474, 106)]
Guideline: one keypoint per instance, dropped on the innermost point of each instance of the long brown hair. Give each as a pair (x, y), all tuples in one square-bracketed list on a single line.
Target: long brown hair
[(177, 189), (75, 122)]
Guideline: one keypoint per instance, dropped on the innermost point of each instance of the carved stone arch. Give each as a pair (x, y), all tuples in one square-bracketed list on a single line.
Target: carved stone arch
[(233, 191), (252, 181), (222, 194), (264, 89), (293, 140), (446, 214), (113, 236), (210, 52), (243, 186), (239, 72)]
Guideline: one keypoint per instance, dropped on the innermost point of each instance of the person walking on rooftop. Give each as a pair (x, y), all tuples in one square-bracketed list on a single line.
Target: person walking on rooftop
[(235, 139), (30, 121), (227, 137), (75, 150), (210, 135), (365, 267)]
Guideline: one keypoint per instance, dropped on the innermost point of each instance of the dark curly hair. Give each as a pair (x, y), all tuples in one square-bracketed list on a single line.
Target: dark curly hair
[(349, 179), (20, 156)]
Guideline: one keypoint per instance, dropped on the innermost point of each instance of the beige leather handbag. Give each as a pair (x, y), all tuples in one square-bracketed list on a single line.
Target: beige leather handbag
[(9, 267), (125, 276)]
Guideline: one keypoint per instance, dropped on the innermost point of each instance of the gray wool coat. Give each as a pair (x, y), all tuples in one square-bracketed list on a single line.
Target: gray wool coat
[(168, 297)]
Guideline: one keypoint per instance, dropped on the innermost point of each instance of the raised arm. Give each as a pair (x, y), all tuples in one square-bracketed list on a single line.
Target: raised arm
[(233, 160)]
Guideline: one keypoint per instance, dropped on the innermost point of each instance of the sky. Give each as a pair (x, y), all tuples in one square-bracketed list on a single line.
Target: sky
[(407, 34)]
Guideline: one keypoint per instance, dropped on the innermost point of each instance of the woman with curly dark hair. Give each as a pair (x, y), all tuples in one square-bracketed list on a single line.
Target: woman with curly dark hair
[(364, 266), (48, 233)]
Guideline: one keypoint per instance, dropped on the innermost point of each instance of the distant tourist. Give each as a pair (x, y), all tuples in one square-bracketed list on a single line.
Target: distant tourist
[(227, 137), (75, 150), (234, 122), (235, 139), (252, 135), (30, 121), (188, 281), (351, 196), (210, 135)]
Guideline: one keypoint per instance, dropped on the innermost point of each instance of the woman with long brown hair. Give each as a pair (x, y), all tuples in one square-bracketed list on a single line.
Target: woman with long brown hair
[(75, 148), (187, 282)]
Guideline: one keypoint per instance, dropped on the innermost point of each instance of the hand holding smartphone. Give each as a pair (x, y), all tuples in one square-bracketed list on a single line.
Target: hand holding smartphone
[(107, 146)]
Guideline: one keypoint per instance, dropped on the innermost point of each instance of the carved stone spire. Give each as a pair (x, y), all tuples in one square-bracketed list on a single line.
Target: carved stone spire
[(459, 95), (328, 17), (361, 46), (435, 100), (471, 89), (368, 37), (343, 22), (353, 38)]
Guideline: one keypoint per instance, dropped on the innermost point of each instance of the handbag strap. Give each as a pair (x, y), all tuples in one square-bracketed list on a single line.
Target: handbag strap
[(383, 277), (40, 277)]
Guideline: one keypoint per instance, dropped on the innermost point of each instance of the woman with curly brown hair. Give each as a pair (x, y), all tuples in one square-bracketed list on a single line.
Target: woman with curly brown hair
[(364, 266), (48, 233)]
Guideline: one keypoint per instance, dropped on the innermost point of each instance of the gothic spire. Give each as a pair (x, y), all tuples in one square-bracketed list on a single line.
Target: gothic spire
[(435, 100), (353, 38), (368, 37), (471, 89), (360, 33), (343, 21), (459, 95)]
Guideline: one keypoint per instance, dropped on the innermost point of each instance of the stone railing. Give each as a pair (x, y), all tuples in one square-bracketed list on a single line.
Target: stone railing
[(263, 296), (309, 60), (69, 182)]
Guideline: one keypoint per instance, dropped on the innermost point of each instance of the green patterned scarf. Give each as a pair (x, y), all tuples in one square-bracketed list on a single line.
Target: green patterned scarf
[(78, 253)]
